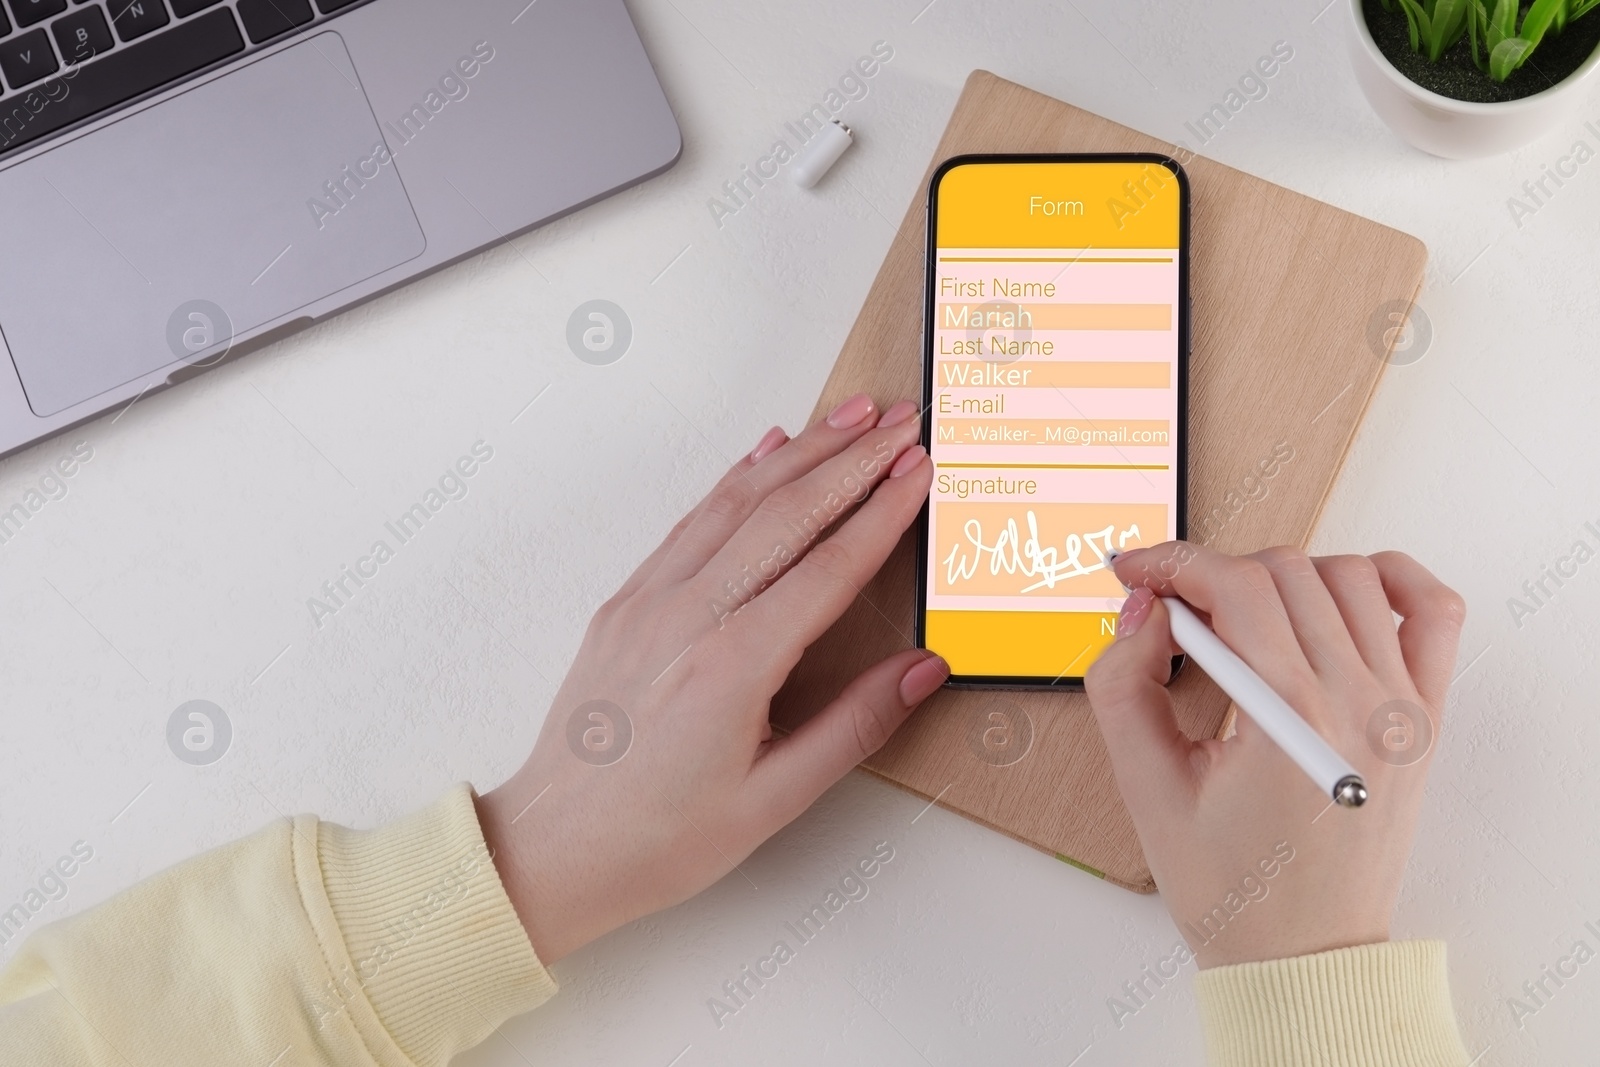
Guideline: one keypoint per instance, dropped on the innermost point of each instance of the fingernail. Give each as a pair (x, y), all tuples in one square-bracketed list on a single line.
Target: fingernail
[(768, 444), (1135, 610), (908, 461), (851, 412), (897, 414), (923, 680), (1122, 556)]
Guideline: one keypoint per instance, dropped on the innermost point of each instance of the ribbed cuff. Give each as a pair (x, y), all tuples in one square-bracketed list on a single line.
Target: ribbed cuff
[(1384, 1005), (433, 952)]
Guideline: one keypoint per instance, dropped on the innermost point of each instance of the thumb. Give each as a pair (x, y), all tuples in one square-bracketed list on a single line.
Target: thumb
[(1127, 688), (800, 767)]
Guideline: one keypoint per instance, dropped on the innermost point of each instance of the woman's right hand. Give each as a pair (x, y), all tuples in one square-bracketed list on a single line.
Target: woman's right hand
[(1253, 861)]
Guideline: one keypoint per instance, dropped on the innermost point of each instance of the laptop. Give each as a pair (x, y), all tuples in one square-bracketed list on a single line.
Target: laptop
[(184, 180)]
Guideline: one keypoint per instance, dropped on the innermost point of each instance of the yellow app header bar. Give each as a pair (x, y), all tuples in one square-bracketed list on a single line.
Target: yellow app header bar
[(1131, 204)]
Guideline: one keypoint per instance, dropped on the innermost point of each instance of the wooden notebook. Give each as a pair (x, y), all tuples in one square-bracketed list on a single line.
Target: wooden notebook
[(1294, 304)]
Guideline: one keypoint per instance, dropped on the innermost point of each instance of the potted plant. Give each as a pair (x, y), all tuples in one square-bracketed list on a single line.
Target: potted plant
[(1462, 78)]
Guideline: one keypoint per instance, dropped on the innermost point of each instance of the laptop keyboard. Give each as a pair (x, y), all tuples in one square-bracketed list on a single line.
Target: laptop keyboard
[(61, 64)]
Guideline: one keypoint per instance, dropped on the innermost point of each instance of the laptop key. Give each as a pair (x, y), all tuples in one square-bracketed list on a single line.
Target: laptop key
[(266, 19), (5, 27), (135, 18), (124, 74), (184, 8), (82, 34), (330, 6), (30, 11), (27, 58)]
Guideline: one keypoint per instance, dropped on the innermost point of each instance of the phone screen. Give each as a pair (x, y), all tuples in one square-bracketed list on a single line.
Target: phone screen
[(1055, 358)]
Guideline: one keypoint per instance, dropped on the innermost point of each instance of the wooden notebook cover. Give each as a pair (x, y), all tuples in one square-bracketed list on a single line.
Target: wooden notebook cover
[(1284, 289)]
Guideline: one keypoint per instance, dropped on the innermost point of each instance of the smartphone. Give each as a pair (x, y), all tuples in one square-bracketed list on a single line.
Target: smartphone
[(1055, 393)]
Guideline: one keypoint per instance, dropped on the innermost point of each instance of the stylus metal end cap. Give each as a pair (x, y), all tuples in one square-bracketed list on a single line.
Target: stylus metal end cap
[(1351, 792)]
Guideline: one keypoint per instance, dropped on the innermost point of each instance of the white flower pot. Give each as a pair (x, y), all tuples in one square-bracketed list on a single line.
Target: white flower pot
[(1457, 129)]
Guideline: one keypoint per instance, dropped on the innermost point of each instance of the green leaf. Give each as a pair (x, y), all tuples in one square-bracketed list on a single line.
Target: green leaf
[(1507, 55), (1447, 21), (1479, 16), (1537, 21), (1503, 24), (1417, 23), (1581, 8)]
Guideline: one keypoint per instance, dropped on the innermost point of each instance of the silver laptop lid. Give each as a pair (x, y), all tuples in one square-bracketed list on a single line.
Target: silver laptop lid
[(306, 176)]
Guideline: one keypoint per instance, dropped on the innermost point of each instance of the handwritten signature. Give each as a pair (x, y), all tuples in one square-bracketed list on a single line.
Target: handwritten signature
[(1014, 554)]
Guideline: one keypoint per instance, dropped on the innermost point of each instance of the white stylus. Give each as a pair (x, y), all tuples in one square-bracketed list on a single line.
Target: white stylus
[(1265, 707)]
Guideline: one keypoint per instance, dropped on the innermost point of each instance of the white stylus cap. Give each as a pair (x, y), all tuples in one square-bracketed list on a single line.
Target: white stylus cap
[(820, 153)]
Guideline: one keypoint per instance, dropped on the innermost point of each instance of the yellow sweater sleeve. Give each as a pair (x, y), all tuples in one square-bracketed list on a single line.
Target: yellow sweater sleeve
[(306, 944), (310, 944), (1384, 1005)]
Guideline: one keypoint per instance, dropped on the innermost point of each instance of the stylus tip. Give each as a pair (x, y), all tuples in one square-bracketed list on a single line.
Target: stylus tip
[(1351, 792)]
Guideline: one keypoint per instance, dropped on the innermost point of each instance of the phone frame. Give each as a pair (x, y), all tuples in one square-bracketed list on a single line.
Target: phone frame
[(930, 280)]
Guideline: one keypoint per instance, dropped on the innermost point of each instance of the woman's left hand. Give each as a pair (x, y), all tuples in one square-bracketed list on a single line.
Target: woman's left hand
[(656, 771)]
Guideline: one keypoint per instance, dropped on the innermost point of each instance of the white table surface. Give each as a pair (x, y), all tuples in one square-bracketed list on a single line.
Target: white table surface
[(179, 564)]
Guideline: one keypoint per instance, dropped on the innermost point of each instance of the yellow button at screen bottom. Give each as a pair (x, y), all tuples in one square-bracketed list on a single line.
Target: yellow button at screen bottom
[(1020, 644)]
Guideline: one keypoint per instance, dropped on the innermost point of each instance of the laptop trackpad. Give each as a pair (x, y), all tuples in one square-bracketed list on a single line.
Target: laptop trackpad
[(257, 193)]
